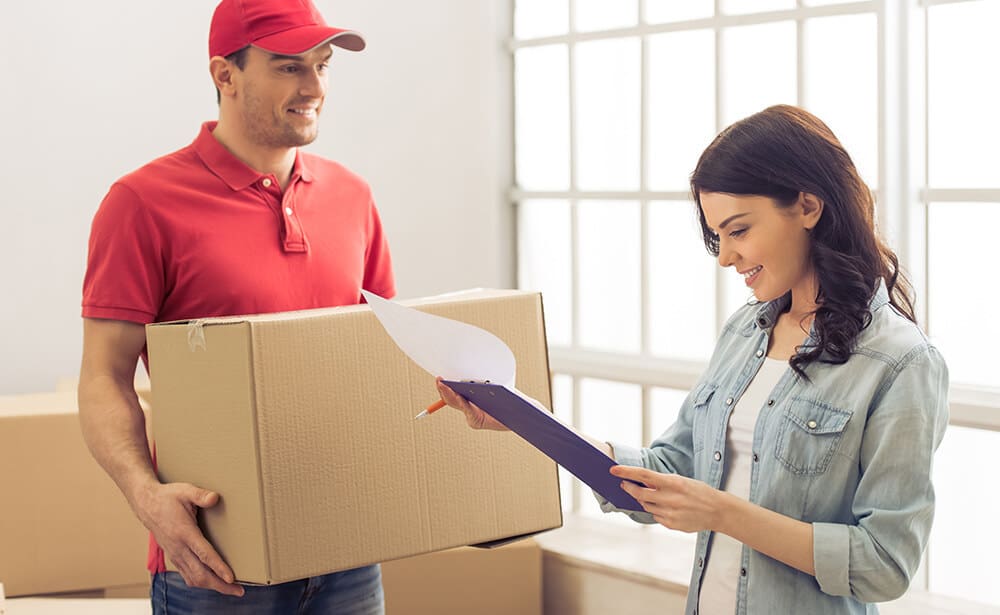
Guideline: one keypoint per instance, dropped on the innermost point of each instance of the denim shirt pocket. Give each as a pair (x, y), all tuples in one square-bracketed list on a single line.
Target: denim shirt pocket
[(809, 434), (702, 399)]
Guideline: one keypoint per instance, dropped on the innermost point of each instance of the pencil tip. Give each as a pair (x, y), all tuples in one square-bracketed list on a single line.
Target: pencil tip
[(421, 415)]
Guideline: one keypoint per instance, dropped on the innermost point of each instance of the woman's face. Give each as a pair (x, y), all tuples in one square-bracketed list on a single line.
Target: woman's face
[(766, 244)]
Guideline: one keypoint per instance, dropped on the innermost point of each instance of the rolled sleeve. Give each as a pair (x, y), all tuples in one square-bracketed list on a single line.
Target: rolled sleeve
[(874, 559), (627, 456), (832, 557)]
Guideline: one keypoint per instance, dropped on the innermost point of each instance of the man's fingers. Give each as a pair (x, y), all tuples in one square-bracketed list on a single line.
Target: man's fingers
[(208, 556), (198, 573), (202, 498)]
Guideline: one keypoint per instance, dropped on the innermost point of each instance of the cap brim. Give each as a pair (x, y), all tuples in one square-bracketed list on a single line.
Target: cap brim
[(306, 38)]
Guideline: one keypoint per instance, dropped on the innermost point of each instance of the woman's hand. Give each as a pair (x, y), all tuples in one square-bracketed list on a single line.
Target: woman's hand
[(474, 416), (675, 501)]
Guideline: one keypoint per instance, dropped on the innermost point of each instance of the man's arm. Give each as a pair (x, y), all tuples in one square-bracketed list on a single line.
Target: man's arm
[(114, 428)]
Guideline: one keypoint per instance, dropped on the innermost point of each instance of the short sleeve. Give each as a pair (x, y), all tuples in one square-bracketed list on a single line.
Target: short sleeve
[(125, 277), (378, 263)]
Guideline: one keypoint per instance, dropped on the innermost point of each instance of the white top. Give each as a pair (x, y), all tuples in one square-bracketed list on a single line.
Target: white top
[(722, 570)]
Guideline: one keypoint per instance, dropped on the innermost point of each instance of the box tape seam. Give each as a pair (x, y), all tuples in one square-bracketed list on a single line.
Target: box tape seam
[(196, 335)]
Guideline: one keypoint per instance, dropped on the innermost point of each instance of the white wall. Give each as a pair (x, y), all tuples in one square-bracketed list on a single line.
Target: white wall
[(92, 90)]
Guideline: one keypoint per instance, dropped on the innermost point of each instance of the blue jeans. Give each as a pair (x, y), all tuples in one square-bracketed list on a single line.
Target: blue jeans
[(351, 592)]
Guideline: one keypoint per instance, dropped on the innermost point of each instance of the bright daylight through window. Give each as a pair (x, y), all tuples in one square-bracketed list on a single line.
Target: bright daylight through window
[(614, 101)]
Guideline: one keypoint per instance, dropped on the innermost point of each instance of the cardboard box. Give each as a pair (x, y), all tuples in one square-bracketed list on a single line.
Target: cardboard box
[(303, 423), (82, 606), (466, 580), (64, 526)]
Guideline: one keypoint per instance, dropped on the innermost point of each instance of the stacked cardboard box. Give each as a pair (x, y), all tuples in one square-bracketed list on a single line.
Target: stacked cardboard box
[(393, 487), (462, 581), (502, 581), (64, 526)]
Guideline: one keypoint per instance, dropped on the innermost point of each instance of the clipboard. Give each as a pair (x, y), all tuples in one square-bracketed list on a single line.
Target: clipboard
[(549, 435)]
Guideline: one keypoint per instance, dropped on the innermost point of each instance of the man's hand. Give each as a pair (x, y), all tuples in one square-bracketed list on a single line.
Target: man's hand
[(115, 431), (474, 415), (169, 511)]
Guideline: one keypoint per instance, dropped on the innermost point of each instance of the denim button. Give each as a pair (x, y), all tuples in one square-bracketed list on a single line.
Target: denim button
[(700, 562), (729, 401), (717, 456), (770, 402), (811, 424), (743, 572), (755, 458), (760, 353)]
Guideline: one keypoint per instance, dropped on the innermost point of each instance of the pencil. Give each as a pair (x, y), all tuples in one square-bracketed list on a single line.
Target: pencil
[(431, 409)]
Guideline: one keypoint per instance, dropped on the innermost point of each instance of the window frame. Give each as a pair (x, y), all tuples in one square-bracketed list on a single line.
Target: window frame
[(903, 196)]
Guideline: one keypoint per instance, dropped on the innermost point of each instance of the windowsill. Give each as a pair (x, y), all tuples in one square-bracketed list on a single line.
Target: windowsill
[(640, 554), (651, 556)]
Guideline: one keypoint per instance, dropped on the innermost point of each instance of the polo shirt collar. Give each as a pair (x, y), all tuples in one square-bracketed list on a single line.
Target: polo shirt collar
[(231, 169), (301, 169)]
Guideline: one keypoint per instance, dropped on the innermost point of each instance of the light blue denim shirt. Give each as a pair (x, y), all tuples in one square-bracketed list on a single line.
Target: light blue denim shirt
[(849, 452)]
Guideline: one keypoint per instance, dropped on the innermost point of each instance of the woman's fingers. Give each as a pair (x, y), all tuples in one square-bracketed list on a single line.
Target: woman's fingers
[(474, 416)]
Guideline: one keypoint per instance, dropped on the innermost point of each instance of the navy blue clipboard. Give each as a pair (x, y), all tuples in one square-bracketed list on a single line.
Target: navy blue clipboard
[(550, 436)]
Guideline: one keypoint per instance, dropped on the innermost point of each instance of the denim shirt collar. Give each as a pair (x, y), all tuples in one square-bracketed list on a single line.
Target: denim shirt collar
[(767, 314)]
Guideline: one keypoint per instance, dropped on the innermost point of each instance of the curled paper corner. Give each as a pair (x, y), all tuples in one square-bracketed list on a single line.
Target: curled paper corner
[(445, 347)]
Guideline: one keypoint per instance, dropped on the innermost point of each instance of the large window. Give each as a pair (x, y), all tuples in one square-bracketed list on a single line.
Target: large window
[(614, 101)]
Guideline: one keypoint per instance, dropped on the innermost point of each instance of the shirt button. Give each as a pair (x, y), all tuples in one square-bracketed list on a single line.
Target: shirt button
[(760, 353), (729, 401), (770, 402), (755, 458), (700, 562), (266, 182), (811, 424), (717, 456), (743, 572), (288, 210)]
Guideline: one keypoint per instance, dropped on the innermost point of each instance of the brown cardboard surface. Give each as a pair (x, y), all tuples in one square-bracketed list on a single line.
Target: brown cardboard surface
[(500, 581), (303, 423), (64, 525), (137, 591), (82, 606), (129, 591)]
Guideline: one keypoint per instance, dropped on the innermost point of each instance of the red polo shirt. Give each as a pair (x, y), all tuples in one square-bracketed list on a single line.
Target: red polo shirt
[(198, 233)]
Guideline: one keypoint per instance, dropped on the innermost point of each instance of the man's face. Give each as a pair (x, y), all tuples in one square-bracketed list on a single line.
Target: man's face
[(280, 97)]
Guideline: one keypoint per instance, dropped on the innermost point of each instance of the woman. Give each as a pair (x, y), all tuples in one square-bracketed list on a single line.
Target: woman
[(803, 456)]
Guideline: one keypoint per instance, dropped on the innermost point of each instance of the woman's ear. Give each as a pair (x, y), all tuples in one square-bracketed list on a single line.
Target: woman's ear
[(812, 209)]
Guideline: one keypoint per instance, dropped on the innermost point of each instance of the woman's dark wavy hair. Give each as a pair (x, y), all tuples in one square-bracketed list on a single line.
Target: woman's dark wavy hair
[(784, 151)]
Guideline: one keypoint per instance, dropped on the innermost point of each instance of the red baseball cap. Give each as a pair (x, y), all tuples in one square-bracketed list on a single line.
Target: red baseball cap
[(286, 27)]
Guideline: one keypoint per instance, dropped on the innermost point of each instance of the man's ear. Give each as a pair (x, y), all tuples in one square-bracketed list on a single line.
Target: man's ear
[(812, 209), (222, 72)]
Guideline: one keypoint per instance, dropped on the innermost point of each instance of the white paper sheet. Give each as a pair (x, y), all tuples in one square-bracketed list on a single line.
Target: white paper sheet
[(444, 347)]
